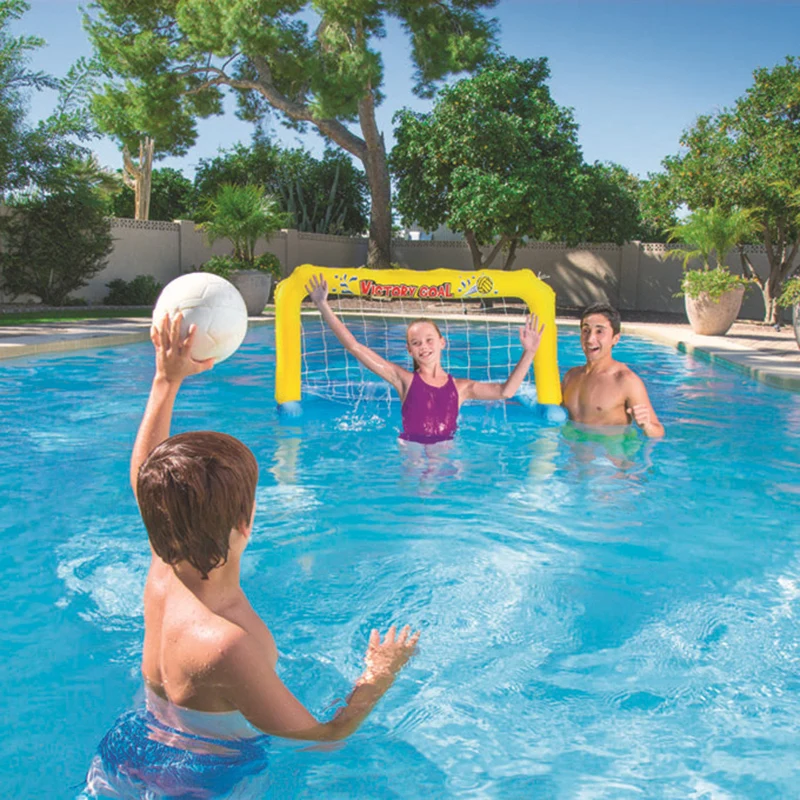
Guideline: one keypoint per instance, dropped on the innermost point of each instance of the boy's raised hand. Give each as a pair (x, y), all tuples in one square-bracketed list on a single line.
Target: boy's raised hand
[(317, 289), (174, 361), (386, 658), (530, 334)]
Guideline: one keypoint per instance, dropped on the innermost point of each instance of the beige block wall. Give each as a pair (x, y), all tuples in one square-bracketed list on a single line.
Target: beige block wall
[(633, 276)]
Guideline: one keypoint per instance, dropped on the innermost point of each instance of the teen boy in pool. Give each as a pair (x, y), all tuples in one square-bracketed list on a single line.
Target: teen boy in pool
[(207, 654), (604, 392)]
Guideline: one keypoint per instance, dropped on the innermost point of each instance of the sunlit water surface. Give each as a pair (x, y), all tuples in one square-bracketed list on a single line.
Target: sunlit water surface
[(594, 624)]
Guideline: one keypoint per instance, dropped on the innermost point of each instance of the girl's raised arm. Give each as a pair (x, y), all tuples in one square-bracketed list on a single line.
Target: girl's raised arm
[(317, 289), (530, 335)]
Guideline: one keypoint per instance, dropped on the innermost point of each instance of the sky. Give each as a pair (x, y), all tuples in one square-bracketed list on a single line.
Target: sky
[(636, 73)]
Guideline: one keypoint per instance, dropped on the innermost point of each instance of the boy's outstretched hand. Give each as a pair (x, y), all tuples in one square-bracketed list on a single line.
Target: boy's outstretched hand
[(317, 289), (530, 334), (386, 658), (174, 361)]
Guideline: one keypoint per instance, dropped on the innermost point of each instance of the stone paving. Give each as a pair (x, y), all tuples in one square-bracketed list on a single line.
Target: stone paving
[(759, 350)]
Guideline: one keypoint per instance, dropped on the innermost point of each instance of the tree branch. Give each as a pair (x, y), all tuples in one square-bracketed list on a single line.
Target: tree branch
[(477, 256), (495, 250)]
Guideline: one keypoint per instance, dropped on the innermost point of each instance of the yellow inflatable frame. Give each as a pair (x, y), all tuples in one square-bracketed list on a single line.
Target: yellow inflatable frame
[(429, 284)]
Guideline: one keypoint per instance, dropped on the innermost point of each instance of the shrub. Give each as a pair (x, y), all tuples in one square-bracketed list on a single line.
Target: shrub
[(790, 296), (224, 265), (268, 262), (54, 244), (143, 290), (713, 281)]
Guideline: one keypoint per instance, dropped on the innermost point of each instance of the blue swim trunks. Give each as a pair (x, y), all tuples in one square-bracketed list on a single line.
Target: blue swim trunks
[(141, 757)]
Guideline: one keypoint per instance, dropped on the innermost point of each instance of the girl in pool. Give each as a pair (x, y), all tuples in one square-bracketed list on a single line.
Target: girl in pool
[(430, 396)]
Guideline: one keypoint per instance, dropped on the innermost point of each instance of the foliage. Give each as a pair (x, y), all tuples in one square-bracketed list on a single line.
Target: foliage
[(715, 282), (177, 56), (242, 214), (790, 296), (496, 159), (54, 243), (38, 156), (268, 262), (143, 290), (749, 156), (325, 195), (712, 231), (657, 208), (611, 194), (225, 265), (171, 197)]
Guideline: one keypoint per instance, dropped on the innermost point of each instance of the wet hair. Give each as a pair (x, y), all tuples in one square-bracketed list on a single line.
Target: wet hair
[(193, 489), (414, 322), (609, 312)]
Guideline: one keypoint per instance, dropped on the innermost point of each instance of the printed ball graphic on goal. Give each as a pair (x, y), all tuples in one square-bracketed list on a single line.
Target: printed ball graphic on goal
[(211, 303), (485, 284)]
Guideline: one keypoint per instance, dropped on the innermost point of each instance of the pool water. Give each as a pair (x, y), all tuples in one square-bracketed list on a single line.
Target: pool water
[(594, 624)]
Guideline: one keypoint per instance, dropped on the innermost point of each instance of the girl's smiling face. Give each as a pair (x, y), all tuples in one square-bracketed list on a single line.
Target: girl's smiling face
[(425, 343)]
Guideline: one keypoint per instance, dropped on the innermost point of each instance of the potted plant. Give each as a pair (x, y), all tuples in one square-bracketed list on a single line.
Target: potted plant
[(243, 215), (790, 298), (713, 296)]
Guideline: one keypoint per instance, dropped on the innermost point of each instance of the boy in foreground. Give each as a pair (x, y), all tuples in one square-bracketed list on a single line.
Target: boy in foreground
[(205, 649), (604, 392)]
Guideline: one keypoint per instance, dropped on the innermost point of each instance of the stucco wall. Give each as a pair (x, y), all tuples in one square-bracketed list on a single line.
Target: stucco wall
[(633, 276)]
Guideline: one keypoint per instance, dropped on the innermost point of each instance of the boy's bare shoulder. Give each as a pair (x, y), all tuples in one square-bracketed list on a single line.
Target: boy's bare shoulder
[(625, 375), (574, 372)]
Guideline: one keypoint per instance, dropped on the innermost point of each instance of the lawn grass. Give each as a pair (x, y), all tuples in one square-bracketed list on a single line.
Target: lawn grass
[(34, 317)]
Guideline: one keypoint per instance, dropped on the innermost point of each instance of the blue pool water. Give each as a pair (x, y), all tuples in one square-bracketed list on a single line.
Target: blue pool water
[(592, 627)]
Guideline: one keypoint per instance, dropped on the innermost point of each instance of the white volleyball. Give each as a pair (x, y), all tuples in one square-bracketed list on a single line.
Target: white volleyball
[(211, 303)]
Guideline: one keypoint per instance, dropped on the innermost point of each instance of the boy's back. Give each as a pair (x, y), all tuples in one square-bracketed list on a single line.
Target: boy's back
[(189, 635)]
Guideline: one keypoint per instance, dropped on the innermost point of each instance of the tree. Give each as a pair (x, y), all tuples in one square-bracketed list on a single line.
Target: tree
[(36, 156), (54, 243), (657, 208), (496, 159), (171, 197), (322, 196), (242, 214), (267, 53), (712, 232), (15, 80), (749, 156), (612, 197), (144, 119)]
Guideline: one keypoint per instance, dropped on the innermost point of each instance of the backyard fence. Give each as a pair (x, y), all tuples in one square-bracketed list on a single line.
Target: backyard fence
[(631, 276)]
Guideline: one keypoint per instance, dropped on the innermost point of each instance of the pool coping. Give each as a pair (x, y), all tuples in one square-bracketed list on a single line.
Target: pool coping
[(774, 367)]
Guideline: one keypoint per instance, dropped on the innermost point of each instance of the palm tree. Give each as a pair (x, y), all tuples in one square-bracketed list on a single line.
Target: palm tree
[(710, 231), (243, 214)]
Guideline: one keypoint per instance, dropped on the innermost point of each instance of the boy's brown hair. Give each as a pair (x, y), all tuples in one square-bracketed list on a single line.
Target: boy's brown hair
[(193, 489), (609, 312)]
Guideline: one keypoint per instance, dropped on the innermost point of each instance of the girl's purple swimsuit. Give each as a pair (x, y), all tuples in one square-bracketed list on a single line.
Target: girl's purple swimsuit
[(430, 413)]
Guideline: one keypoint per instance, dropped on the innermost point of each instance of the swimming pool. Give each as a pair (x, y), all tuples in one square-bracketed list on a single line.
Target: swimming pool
[(590, 629)]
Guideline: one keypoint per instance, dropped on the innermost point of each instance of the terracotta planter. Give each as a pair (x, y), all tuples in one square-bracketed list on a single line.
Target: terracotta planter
[(254, 286), (796, 322), (714, 317)]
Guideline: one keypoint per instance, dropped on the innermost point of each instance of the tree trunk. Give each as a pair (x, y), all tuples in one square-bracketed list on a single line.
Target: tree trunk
[(371, 150), (139, 176), (512, 254), (477, 256), (780, 256), (379, 252)]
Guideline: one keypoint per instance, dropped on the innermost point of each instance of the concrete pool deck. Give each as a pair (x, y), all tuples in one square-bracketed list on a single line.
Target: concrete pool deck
[(760, 351)]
